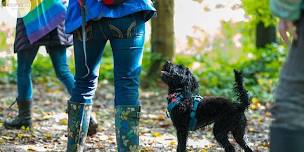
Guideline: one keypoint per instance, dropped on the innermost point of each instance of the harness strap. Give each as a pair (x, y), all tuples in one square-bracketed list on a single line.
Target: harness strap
[(193, 120), (172, 105), (175, 100)]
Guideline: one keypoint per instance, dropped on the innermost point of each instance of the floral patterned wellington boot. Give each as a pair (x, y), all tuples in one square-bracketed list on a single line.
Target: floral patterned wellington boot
[(78, 123), (93, 127), (126, 126)]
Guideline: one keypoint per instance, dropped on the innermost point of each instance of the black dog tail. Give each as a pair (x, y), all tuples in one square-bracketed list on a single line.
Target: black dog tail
[(240, 91)]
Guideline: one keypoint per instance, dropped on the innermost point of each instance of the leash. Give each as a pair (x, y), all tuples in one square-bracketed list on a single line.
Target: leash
[(176, 99), (84, 34), (10, 107)]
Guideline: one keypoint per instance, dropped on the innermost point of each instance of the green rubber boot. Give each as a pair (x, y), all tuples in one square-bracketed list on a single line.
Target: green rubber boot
[(126, 127), (284, 140), (78, 123), (24, 117), (93, 127)]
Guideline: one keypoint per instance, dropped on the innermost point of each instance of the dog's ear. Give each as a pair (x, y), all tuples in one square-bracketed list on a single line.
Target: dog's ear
[(195, 84), (192, 81), (187, 89), (187, 93)]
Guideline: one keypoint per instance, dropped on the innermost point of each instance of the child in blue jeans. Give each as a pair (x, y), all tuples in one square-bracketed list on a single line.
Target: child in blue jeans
[(124, 26), (56, 43), (56, 46)]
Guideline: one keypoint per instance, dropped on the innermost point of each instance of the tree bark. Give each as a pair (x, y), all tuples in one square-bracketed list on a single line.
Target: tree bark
[(265, 35), (162, 39)]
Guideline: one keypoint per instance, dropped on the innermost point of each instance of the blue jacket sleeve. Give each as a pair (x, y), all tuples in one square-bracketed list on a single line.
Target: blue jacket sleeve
[(286, 9)]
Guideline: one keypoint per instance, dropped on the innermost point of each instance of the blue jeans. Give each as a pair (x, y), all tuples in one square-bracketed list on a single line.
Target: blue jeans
[(25, 59), (126, 36)]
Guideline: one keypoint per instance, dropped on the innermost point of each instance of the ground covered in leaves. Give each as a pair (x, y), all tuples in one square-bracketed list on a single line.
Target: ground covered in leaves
[(156, 131)]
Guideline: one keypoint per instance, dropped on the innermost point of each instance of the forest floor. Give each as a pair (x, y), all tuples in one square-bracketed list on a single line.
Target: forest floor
[(156, 131)]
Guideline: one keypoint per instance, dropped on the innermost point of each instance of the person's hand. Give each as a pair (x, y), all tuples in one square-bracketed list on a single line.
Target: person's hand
[(285, 27), (64, 1)]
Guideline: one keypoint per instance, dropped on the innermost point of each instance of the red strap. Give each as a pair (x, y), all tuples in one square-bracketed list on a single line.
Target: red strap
[(108, 2), (80, 2)]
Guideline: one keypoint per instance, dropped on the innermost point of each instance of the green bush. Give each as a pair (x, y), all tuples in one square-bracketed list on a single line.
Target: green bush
[(258, 11), (214, 69), (2, 41)]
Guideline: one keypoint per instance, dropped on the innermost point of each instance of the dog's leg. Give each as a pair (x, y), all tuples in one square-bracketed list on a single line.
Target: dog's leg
[(238, 134), (220, 132), (182, 136)]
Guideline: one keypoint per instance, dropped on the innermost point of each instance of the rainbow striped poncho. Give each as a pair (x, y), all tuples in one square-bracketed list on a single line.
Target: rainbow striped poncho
[(45, 16)]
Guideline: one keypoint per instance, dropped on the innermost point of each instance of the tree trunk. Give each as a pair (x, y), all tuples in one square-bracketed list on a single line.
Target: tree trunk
[(162, 39), (4, 3), (265, 35)]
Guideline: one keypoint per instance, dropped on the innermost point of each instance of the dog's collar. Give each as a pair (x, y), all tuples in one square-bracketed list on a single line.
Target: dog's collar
[(177, 98)]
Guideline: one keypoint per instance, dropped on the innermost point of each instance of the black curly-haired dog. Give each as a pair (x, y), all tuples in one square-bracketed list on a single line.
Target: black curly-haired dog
[(188, 111)]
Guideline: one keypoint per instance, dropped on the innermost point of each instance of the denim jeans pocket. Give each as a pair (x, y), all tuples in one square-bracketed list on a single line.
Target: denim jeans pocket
[(126, 27), (77, 34)]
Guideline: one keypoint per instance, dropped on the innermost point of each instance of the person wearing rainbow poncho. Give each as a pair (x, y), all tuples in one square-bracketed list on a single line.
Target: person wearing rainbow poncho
[(42, 26)]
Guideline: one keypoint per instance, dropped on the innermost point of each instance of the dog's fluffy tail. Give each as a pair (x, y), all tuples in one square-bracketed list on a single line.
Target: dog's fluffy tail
[(240, 91)]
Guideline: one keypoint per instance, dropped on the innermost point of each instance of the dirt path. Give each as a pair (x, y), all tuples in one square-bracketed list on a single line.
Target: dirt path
[(157, 132)]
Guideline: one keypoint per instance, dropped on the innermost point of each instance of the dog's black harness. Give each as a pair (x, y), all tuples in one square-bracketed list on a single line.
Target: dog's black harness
[(177, 98)]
